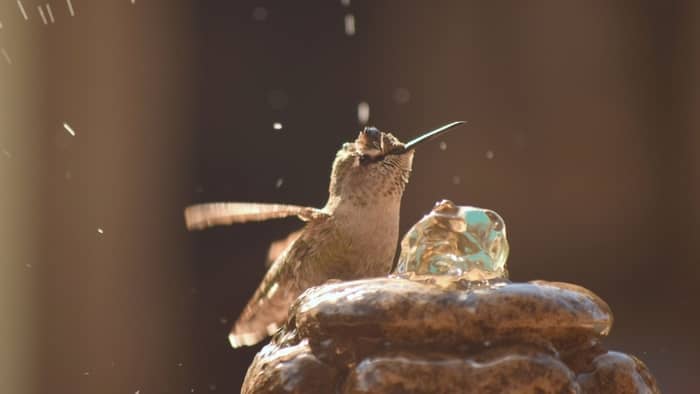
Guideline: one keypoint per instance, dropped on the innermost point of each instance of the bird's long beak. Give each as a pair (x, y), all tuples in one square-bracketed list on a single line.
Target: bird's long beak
[(425, 137)]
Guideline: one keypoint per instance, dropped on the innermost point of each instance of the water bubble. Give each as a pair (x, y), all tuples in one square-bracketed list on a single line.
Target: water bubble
[(279, 182), (277, 126), (443, 145), (489, 154), (456, 180), (350, 25), (260, 14), (402, 95), (277, 99), (363, 112)]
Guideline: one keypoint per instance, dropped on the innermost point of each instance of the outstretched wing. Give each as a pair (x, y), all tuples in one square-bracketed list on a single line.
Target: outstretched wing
[(201, 216)]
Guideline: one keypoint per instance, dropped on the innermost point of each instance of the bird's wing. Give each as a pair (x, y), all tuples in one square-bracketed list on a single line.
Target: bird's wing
[(279, 246), (201, 216)]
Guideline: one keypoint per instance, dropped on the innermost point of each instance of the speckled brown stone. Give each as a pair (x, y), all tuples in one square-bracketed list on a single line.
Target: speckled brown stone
[(392, 335), (291, 369), (403, 310), (419, 373), (618, 373)]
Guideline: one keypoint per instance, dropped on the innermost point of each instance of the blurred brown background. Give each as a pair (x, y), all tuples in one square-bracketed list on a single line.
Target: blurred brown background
[(584, 133)]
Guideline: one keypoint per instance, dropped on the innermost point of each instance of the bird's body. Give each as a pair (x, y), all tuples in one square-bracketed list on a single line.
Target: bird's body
[(353, 236)]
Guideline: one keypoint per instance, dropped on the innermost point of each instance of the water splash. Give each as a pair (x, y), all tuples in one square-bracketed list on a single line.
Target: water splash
[(461, 242)]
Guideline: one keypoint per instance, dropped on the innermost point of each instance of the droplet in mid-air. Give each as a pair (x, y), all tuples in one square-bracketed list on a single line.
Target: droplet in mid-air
[(489, 154), (69, 129), (349, 25), (22, 11), (100, 231), (363, 113), (456, 180), (6, 56), (277, 126), (279, 182), (443, 145)]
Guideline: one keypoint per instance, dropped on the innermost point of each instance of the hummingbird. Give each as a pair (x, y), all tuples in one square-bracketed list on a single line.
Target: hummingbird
[(353, 236)]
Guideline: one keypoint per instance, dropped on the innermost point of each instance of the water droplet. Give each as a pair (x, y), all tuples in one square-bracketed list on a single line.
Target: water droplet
[(100, 231), (41, 14), (278, 183), (223, 320), (402, 95), (69, 129), (86, 373), (489, 154), (48, 10), (6, 56), (363, 112), (21, 9), (349, 25), (443, 145), (277, 126), (456, 180), (70, 8), (29, 266), (345, 3), (260, 14), (180, 364)]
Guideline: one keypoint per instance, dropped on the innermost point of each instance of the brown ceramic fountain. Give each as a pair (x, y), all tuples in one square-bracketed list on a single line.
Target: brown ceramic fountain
[(447, 321)]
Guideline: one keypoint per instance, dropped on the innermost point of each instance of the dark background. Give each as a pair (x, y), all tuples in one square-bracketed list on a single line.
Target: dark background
[(584, 134)]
